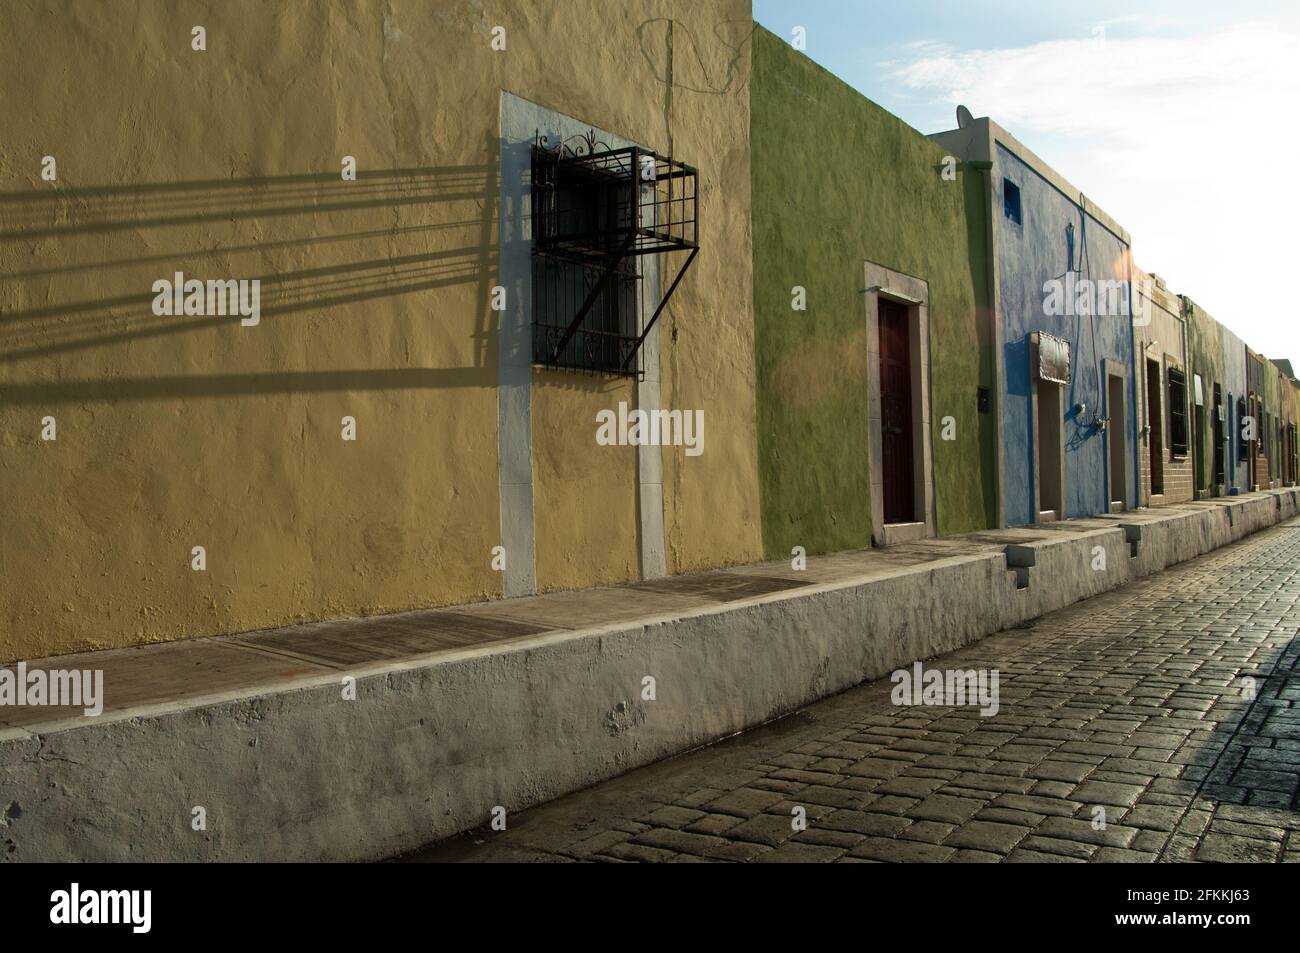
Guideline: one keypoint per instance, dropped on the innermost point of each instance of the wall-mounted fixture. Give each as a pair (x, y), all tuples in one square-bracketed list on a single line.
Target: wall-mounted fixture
[(1053, 358), (1083, 420)]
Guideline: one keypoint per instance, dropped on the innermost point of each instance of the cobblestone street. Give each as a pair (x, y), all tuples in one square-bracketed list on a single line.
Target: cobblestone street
[(1165, 709)]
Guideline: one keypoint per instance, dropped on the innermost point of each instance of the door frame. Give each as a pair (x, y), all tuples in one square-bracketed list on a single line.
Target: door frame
[(1156, 435), (1116, 437), (1034, 410), (914, 293)]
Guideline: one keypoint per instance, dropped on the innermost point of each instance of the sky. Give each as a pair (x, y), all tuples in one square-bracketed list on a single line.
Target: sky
[(1179, 118)]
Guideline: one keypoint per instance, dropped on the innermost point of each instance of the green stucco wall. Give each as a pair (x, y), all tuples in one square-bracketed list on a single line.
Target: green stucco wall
[(838, 181), (1273, 407)]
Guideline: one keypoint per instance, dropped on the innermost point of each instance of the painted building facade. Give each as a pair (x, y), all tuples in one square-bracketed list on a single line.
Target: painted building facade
[(1160, 370), (1219, 405), (872, 348), (865, 329), (1264, 390), (1064, 337), (1290, 409), (378, 303)]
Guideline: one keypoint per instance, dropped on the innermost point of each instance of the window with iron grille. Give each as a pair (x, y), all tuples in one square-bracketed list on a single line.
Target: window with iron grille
[(1177, 411), (597, 212)]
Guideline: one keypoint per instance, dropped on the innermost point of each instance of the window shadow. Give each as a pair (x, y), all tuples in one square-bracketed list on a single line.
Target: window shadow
[(323, 250)]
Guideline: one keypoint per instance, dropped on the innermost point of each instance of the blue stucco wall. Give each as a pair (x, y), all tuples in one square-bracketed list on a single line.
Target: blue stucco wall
[(1030, 254)]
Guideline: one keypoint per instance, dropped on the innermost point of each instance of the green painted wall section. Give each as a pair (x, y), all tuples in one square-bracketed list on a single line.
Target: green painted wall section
[(838, 181), (1272, 389)]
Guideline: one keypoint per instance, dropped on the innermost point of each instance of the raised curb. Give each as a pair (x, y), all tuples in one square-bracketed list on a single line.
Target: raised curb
[(430, 746)]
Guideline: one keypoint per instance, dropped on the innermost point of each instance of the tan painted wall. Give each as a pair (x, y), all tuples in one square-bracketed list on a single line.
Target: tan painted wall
[(584, 495), (175, 431)]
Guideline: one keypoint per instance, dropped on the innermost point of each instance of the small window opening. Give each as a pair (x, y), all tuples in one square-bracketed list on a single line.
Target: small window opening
[(1011, 200)]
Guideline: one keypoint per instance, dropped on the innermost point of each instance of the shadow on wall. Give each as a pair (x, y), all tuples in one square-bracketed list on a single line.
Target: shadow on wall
[(402, 259)]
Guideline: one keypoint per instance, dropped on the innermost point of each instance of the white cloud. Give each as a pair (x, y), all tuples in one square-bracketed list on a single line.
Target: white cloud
[(1190, 142)]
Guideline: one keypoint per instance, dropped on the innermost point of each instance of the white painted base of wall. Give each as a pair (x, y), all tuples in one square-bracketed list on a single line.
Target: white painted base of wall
[(430, 746)]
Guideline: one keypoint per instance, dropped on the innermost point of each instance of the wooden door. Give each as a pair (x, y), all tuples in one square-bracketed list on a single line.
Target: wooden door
[(1155, 432), (896, 448)]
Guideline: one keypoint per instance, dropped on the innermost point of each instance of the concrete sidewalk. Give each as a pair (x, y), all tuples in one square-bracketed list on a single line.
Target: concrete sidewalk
[(509, 703)]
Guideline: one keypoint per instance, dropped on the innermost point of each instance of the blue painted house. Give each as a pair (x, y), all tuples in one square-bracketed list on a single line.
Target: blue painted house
[(1062, 326)]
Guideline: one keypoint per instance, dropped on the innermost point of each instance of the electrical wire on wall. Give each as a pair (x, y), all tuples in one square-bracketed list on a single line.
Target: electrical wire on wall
[(1079, 263), (1092, 323), (1084, 428)]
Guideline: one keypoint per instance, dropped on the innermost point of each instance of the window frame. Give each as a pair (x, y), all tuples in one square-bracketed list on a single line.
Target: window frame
[(1176, 397), (1011, 197), (596, 214)]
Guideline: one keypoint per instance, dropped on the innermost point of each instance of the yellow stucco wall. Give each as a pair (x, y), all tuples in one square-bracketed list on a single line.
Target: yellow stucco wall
[(182, 431), (584, 496)]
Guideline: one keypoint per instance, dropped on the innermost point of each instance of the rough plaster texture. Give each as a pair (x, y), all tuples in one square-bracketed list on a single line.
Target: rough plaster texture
[(430, 746), (176, 432), (838, 182)]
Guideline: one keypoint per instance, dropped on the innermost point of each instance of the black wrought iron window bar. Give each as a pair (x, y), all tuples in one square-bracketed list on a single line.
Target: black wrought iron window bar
[(1177, 412), (596, 212)]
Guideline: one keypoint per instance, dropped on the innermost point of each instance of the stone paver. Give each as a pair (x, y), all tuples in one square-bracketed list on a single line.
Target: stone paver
[(1159, 722)]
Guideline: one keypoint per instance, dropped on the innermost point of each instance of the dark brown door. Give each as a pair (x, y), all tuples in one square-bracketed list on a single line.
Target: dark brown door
[(1155, 435), (896, 412)]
